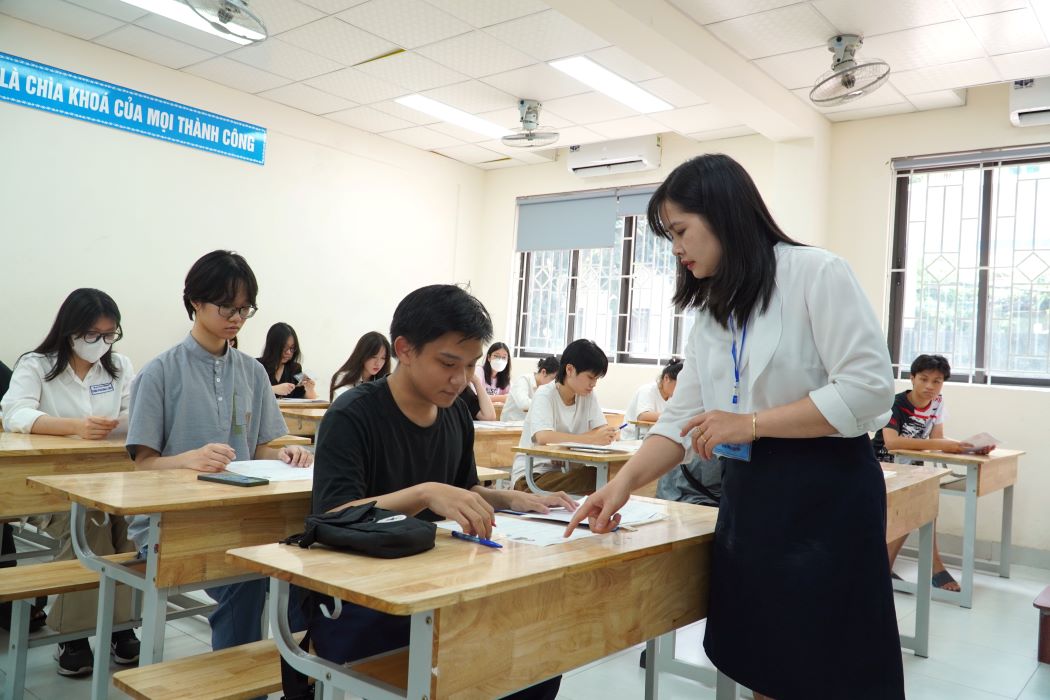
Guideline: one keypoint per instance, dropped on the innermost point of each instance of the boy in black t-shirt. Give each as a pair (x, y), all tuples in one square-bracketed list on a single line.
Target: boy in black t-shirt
[(408, 444), (917, 423)]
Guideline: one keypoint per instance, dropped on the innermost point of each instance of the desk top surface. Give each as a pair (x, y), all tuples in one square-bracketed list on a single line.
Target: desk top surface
[(551, 452), (909, 475), (951, 458), (139, 492), (303, 403), (644, 423), (25, 444), (456, 571), (305, 412)]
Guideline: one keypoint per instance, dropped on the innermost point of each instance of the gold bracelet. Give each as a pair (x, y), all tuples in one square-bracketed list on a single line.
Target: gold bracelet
[(754, 427)]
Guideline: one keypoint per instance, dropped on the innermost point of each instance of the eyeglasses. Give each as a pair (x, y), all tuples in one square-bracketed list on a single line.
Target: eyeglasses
[(228, 312), (107, 338)]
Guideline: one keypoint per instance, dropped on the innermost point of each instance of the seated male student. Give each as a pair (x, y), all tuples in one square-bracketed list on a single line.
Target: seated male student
[(917, 423), (566, 410), (407, 443)]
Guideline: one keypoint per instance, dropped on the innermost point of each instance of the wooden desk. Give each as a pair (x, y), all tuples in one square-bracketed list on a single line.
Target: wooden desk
[(911, 504), (192, 524), (614, 417), (551, 609), (487, 474), (985, 474), (494, 446), (303, 403), (606, 465), (303, 421), (642, 426)]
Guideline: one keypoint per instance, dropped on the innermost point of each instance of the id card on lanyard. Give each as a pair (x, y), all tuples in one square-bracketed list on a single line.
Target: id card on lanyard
[(740, 451)]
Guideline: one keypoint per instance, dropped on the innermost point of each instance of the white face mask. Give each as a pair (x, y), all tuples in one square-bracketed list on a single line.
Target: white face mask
[(498, 365), (90, 352)]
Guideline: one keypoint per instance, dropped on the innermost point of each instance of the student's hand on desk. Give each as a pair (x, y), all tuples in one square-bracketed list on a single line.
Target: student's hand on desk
[(296, 456), (600, 508), (961, 447), (308, 383), (213, 457), (715, 428), (603, 435), (283, 389), (471, 511), (96, 428), (525, 502)]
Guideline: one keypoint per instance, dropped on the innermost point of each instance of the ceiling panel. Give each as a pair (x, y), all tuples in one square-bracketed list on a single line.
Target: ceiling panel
[(469, 153), (870, 18), (113, 8), (473, 96), (459, 133), (536, 82), (153, 47), (369, 119), (709, 11), (61, 16), (871, 112), (187, 35), (423, 137), (280, 58), (1009, 32), (352, 84), (522, 155), (547, 36), (511, 118), (576, 136), (693, 119), (411, 71), (484, 13), (338, 41), (407, 23), (971, 8), (282, 15), (476, 54), (623, 64), (590, 108), (926, 46), (1029, 64), (726, 133), (398, 110), (626, 128), (670, 91), (307, 99), (236, 75), (782, 30), (798, 68), (938, 99), (330, 7), (952, 75)]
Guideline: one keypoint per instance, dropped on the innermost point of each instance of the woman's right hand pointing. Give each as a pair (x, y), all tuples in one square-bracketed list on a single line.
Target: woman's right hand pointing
[(600, 508)]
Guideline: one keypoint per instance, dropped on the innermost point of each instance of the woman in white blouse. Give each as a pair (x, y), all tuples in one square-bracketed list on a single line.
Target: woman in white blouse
[(786, 371), (74, 384)]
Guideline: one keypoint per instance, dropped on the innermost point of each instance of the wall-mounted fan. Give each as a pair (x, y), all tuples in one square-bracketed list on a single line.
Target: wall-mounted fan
[(230, 17), (849, 77), (530, 134)]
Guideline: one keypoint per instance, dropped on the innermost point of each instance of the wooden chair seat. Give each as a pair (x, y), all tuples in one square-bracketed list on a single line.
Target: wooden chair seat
[(244, 671), (50, 578)]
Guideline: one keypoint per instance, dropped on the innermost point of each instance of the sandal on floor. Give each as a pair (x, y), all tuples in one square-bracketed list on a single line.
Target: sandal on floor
[(942, 578)]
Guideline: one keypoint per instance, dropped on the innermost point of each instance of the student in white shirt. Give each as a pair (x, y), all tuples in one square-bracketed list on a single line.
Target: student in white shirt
[(369, 361), (74, 384), (650, 399), (523, 388), (566, 410), (786, 371)]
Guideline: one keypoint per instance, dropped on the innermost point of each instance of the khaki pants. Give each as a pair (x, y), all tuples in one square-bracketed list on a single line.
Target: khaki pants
[(77, 611), (578, 481)]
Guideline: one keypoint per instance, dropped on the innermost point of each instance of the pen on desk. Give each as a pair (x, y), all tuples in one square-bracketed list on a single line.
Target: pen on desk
[(476, 539)]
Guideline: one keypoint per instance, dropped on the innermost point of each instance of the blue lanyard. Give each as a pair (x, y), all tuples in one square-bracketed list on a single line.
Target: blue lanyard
[(736, 358)]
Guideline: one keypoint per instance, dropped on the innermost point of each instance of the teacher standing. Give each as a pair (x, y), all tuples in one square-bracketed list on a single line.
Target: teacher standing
[(786, 371)]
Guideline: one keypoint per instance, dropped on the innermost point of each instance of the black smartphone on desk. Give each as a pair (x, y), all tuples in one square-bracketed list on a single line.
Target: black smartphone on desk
[(232, 479)]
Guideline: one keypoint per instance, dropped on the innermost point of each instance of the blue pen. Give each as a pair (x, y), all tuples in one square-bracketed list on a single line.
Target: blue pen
[(475, 538), (622, 426)]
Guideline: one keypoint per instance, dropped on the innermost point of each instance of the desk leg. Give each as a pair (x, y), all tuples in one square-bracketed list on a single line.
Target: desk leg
[(420, 654), (923, 591), (601, 477), (725, 687), (17, 651), (154, 601), (969, 536), (1007, 531), (107, 587), (653, 648), (528, 478)]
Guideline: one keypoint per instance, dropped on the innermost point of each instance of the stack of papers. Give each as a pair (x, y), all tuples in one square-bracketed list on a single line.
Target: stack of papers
[(633, 513), (272, 469), (593, 449), (512, 529)]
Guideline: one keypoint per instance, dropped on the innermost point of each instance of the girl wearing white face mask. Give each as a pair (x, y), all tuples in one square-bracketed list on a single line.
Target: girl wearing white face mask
[(495, 373), (74, 384)]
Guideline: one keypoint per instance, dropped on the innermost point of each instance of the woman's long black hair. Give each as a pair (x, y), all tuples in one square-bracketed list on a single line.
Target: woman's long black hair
[(503, 378), (718, 189), (367, 346), (77, 314), (276, 338)]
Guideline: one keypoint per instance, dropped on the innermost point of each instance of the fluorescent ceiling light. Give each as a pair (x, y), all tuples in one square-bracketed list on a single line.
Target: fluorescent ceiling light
[(180, 12), (608, 83), (453, 116)]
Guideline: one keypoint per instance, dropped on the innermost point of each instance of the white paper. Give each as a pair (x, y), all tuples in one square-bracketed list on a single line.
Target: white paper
[(284, 400), (495, 425), (888, 473), (513, 529), (272, 469), (980, 441), (593, 449), (632, 513)]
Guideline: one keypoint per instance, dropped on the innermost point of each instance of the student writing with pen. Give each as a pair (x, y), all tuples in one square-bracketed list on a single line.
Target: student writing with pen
[(407, 442)]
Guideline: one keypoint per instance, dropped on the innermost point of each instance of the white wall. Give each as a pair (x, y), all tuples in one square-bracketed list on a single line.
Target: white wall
[(860, 218), (338, 225)]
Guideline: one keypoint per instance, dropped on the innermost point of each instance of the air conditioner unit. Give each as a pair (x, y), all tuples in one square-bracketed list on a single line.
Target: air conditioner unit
[(612, 157), (1030, 102)]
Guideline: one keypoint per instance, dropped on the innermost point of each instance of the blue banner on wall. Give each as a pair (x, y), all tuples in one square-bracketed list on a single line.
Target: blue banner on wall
[(34, 84)]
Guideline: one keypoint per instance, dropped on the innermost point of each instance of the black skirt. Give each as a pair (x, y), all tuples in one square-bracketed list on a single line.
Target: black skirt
[(801, 600)]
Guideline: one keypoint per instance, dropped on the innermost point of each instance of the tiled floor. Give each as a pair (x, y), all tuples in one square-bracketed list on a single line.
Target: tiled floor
[(987, 653)]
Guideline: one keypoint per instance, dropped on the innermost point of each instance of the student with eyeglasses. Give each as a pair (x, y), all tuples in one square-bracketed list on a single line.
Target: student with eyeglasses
[(74, 384), (202, 404)]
